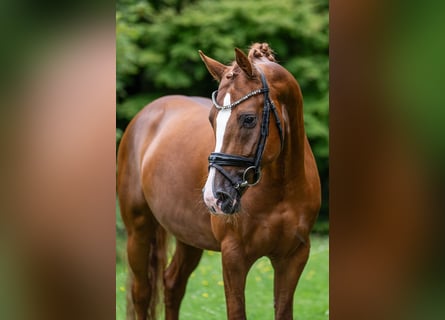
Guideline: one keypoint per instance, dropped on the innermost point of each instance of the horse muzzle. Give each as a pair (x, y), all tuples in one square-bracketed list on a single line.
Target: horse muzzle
[(221, 201)]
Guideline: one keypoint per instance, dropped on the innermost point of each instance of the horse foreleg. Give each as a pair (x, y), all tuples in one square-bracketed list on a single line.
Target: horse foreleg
[(287, 271), (235, 269), (184, 261)]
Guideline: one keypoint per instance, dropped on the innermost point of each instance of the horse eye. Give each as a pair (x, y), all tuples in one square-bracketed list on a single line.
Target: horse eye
[(248, 121)]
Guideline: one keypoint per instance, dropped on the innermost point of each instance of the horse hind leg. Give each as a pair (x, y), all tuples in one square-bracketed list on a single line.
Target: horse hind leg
[(130, 313), (146, 252), (184, 261)]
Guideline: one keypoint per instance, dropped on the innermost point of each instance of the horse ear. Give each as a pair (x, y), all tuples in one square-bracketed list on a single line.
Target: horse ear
[(215, 68), (243, 62)]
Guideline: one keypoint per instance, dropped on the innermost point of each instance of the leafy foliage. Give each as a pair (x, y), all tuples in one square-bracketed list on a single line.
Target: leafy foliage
[(158, 43)]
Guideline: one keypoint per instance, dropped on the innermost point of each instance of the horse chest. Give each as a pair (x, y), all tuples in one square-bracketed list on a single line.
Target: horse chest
[(284, 232), (267, 235)]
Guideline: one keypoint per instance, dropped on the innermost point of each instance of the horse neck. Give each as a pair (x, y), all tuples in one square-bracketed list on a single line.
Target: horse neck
[(293, 154)]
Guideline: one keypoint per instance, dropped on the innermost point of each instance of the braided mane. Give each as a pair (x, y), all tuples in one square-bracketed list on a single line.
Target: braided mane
[(260, 51)]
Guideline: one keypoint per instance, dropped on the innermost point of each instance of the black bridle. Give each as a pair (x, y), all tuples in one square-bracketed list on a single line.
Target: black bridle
[(219, 160)]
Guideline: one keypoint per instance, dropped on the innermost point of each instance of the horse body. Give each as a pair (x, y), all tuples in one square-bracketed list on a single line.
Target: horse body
[(171, 176), (163, 168)]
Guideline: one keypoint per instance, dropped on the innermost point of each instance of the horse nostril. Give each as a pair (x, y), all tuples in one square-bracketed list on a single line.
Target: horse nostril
[(222, 196), (225, 201)]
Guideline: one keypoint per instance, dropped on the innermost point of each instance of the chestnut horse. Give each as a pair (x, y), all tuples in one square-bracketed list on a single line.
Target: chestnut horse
[(245, 184)]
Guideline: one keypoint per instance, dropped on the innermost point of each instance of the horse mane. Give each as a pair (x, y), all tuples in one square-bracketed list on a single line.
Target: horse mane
[(261, 51)]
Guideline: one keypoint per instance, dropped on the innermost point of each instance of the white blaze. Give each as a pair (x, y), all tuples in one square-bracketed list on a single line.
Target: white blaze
[(221, 123)]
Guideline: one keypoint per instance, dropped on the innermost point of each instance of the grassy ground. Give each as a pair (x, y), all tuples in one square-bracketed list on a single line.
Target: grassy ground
[(204, 298)]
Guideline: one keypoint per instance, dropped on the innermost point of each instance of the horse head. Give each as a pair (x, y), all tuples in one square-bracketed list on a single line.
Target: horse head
[(247, 121)]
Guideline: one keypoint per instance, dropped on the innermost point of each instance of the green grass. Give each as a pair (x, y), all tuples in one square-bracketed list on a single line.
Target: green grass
[(205, 300)]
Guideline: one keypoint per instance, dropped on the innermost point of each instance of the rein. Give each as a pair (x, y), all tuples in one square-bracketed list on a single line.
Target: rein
[(219, 160)]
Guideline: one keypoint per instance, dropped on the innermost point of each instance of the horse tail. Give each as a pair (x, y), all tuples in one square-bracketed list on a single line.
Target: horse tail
[(157, 262)]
